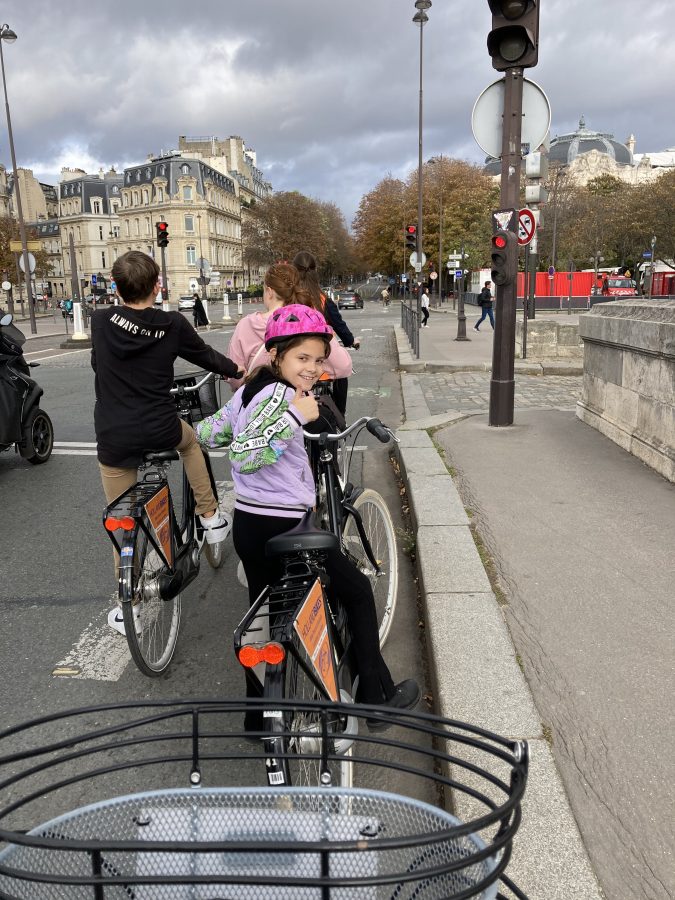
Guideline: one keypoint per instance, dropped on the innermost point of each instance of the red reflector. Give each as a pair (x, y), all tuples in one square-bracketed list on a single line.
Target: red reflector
[(252, 654), (499, 241), (125, 522)]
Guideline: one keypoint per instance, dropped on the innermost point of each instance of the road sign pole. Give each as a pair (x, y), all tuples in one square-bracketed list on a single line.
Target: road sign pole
[(502, 383), (165, 283), (461, 317)]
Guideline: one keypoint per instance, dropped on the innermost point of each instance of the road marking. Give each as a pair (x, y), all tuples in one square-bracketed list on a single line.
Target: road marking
[(100, 654), (35, 352), (66, 353), (88, 448)]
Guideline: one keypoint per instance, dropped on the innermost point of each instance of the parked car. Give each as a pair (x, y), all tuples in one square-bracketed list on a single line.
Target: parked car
[(349, 300), (186, 302)]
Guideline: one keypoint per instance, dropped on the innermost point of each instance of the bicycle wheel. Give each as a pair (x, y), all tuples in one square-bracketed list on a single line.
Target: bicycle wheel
[(379, 530), (306, 729), (150, 623)]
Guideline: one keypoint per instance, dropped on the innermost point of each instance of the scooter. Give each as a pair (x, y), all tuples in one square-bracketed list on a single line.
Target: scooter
[(22, 422)]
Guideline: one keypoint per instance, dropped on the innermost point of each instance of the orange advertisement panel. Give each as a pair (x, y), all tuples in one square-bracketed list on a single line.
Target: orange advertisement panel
[(312, 629), (157, 509)]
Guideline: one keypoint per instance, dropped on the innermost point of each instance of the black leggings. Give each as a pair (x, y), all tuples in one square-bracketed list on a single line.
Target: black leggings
[(250, 533)]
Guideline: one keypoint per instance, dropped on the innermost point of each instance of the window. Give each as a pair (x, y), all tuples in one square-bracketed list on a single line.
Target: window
[(79, 234), (126, 228), (160, 195), (145, 198), (100, 232), (135, 198), (96, 207), (189, 223), (187, 192), (185, 169), (137, 226), (147, 224), (103, 259), (191, 255)]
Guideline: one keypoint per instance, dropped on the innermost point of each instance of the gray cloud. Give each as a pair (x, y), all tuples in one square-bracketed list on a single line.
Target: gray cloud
[(325, 93)]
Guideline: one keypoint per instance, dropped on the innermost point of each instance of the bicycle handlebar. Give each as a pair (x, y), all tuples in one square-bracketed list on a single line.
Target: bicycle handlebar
[(189, 389), (374, 426)]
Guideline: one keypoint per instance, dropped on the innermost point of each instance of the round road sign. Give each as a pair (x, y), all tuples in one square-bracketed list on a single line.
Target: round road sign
[(488, 114), (7, 285), (527, 226)]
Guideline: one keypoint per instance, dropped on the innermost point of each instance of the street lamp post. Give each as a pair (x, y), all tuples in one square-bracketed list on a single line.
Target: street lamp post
[(202, 277), (651, 267), (420, 18), (6, 34)]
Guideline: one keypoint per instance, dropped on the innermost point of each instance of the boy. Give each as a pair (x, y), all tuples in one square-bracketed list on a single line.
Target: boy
[(133, 351)]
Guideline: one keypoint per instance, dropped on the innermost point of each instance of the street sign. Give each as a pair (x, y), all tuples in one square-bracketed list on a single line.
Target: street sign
[(31, 263), (433, 275), (15, 246), (93, 279), (413, 260), (404, 277), (551, 271), (113, 286), (7, 285), (488, 113), (647, 254), (458, 274), (450, 264), (418, 267), (526, 226)]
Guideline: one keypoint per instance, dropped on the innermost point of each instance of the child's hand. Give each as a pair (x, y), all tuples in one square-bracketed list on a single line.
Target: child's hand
[(306, 405)]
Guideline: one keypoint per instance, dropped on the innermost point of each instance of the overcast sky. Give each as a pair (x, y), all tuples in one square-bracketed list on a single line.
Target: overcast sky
[(326, 92)]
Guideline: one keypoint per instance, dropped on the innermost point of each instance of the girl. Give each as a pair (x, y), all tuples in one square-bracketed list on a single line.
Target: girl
[(247, 346), (263, 425)]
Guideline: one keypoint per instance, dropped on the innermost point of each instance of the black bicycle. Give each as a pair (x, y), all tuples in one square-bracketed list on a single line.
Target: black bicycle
[(160, 553), (358, 516)]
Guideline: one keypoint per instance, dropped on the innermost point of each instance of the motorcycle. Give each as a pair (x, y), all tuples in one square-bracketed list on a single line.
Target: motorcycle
[(22, 422)]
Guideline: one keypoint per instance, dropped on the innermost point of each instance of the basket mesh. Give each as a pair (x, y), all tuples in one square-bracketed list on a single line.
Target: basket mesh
[(245, 815)]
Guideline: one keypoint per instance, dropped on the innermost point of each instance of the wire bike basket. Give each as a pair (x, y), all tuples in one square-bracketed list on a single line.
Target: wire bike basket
[(140, 801), (201, 403)]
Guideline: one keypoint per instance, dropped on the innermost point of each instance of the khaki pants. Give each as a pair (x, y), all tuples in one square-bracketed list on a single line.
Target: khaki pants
[(116, 481)]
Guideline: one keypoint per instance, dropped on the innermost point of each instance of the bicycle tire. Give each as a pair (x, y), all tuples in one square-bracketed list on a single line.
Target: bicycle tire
[(379, 529), (150, 623), (302, 769)]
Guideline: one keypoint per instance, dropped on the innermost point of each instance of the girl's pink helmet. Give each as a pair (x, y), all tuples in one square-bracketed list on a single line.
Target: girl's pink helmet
[(295, 320)]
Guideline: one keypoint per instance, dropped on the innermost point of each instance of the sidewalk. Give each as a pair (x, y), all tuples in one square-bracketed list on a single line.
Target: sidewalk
[(541, 550), (440, 352)]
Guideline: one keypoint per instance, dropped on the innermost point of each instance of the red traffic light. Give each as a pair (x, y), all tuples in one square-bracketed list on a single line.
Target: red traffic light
[(162, 226), (411, 229), (499, 241)]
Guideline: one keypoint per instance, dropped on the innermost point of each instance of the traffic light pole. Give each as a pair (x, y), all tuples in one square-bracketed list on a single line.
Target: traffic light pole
[(502, 384), (461, 315), (165, 285)]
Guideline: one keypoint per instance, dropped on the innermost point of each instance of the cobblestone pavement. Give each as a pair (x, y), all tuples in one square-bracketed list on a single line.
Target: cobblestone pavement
[(470, 391)]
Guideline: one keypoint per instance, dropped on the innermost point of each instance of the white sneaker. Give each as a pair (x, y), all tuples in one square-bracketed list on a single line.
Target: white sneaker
[(116, 619), (217, 528), (241, 575)]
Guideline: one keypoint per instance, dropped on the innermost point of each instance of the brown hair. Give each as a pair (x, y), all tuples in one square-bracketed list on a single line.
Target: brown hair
[(305, 263), (284, 279), (135, 275)]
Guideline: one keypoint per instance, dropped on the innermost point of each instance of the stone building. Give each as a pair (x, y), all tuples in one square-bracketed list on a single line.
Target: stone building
[(52, 283), (201, 207), (88, 211), (39, 201), (4, 193)]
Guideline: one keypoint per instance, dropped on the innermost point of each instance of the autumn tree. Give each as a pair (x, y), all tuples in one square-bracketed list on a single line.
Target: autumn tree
[(9, 231)]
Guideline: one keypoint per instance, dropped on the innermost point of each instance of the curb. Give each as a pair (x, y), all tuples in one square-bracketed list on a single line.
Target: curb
[(474, 669)]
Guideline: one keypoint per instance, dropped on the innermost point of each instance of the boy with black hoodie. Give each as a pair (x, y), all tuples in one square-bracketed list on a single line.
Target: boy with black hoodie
[(134, 347)]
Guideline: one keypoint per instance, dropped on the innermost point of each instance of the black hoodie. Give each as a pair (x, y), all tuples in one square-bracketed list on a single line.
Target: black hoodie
[(133, 352)]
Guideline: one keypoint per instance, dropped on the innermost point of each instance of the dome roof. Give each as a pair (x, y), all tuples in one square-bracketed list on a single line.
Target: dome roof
[(566, 147)]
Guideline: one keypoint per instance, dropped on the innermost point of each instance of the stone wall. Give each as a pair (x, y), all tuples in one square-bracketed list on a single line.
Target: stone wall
[(547, 339), (629, 378)]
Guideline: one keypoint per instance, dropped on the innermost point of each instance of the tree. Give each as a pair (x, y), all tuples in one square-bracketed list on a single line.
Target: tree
[(9, 231)]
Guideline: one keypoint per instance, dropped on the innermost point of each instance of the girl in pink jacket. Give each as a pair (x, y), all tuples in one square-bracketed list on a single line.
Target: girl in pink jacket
[(247, 345)]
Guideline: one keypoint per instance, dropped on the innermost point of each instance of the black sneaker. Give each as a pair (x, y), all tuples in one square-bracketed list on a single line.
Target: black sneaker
[(406, 696)]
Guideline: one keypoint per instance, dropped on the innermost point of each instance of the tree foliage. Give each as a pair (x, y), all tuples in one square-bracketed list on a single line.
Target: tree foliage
[(284, 223), (9, 231), (454, 193)]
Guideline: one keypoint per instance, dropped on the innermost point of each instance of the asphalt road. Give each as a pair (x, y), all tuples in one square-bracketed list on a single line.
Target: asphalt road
[(57, 563)]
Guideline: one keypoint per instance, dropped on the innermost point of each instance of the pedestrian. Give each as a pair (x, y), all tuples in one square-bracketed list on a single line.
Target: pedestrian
[(424, 302), (305, 263), (262, 425), (198, 312), (485, 301), (134, 347), (605, 285), (385, 299)]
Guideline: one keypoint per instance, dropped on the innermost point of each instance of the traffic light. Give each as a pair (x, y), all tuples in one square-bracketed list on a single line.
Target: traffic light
[(162, 234), (504, 257), (514, 38), (411, 237)]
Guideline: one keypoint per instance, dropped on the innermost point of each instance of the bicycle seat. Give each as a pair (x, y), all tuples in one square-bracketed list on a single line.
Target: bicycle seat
[(303, 537), (159, 456)]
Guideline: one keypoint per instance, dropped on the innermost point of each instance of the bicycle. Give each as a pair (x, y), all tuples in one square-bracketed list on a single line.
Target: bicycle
[(188, 828), (159, 555), (358, 516)]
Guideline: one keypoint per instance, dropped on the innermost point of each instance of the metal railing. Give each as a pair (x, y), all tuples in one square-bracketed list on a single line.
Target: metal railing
[(410, 324)]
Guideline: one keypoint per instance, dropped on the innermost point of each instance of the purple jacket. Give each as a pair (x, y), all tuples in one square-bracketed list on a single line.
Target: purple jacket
[(263, 430)]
